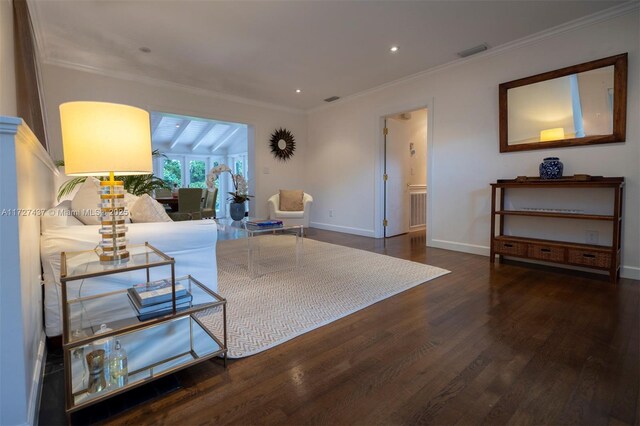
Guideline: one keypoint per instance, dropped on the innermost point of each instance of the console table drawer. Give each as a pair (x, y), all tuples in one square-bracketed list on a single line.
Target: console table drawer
[(542, 252), (590, 258), (513, 248)]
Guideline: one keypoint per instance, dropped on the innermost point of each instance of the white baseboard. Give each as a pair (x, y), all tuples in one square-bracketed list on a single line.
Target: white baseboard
[(463, 247), (631, 272), (345, 229), (37, 380)]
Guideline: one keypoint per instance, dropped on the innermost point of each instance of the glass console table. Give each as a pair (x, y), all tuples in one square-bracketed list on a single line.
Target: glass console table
[(155, 347), (269, 248)]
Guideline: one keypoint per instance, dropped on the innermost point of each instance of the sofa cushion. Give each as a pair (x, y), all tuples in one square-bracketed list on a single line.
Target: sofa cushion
[(86, 202), (129, 201), (289, 215), (58, 217), (291, 200), (146, 210)]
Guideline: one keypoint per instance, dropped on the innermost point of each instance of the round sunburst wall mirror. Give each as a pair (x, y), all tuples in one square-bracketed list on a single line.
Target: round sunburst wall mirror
[(282, 144)]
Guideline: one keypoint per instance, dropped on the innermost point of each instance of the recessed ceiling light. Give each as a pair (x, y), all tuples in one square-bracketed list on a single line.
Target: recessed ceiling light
[(145, 49), (177, 125), (298, 90), (394, 49)]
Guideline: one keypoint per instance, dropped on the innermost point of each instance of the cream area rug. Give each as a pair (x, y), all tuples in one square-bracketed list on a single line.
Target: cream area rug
[(329, 283)]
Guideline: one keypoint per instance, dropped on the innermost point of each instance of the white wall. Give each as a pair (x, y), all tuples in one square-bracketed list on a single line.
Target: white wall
[(63, 84), (8, 98), (343, 150)]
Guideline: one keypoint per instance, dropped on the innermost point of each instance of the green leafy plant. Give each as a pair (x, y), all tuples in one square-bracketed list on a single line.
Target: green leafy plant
[(134, 184)]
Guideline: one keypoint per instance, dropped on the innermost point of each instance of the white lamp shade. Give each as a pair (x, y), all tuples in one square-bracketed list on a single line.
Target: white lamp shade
[(99, 138)]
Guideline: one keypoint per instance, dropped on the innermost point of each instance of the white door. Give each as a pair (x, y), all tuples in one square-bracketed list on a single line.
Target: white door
[(397, 194), (405, 165)]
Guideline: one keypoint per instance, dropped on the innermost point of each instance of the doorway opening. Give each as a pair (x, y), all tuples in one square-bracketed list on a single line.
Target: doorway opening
[(188, 147), (405, 173)]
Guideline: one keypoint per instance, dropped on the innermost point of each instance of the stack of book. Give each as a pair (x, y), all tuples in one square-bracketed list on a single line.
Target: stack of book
[(155, 299), (264, 223)]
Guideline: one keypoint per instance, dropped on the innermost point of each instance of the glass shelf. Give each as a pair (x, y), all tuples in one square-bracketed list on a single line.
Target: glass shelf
[(186, 342), (87, 264), (115, 309)]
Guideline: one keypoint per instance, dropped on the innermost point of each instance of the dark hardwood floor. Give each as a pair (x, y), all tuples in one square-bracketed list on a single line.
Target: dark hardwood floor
[(486, 344)]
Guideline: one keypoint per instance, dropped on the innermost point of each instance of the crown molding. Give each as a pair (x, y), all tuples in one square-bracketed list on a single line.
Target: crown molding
[(605, 15), (168, 84), (38, 37)]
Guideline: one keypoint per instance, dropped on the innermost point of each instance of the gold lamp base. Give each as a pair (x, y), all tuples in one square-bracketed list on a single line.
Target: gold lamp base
[(112, 219)]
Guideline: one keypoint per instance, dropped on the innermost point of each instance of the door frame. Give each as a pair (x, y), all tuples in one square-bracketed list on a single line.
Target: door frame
[(251, 133), (379, 198)]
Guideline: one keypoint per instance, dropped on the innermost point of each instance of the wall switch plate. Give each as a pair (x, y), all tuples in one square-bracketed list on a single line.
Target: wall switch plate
[(330, 213), (592, 237), (266, 170)]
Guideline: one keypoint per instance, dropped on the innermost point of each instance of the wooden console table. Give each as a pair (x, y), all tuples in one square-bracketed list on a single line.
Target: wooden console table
[(600, 257)]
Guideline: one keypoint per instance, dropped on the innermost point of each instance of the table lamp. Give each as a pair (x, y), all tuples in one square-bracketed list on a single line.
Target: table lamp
[(104, 139)]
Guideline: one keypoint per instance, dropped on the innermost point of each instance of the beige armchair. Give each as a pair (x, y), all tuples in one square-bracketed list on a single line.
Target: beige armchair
[(290, 217)]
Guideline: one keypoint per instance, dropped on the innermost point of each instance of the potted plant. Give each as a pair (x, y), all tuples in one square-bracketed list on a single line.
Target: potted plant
[(238, 197)]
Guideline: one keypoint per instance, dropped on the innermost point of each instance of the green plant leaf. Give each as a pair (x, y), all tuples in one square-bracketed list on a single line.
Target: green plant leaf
[(68, 187)]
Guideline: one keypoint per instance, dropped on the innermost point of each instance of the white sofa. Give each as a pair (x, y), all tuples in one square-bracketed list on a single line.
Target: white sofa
[(287, 217), (191, 243)]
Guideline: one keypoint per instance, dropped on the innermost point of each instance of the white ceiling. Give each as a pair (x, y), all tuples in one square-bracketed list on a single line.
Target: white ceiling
[(264, 50), (178, 134)]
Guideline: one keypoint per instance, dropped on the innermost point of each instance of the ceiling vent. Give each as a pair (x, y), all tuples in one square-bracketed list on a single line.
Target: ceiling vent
[(472, 51), (332, 98)]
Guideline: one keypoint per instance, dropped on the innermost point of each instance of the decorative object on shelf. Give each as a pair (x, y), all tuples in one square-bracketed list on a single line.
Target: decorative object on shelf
[(282, 144), (97, 379), (101, 139), (551, 168), (118, 369), (237, 198)]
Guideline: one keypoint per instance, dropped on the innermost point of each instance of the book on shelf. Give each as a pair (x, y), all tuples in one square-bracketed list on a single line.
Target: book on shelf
[(180, 301), (156, 292), (163, 312), (264, 222)]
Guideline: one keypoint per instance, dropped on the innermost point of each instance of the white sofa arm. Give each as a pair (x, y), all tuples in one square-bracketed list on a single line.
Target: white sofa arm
[(273, 203), (307, 200)]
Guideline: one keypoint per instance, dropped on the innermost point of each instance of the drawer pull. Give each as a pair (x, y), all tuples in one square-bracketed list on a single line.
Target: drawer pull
[(508, 245), (545, 250), (589, 255)]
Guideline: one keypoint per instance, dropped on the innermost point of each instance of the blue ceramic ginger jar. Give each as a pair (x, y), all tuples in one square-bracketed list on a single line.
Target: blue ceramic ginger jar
[(551, 168)]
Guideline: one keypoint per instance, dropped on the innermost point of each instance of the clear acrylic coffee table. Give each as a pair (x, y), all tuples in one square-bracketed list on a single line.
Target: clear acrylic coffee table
[(269, 249)]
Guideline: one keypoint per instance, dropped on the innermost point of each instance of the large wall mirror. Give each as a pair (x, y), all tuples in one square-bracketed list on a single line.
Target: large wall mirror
[(580, 105)]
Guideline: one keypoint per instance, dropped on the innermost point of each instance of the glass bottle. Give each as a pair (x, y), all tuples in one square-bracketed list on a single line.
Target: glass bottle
[(118, 366)]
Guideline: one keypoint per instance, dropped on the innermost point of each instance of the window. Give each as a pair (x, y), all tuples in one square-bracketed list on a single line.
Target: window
[(172, 172), (191, 171), (238, 166), (197, 174)]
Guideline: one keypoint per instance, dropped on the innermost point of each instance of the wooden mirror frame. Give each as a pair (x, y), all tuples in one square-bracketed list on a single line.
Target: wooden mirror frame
[(619, 63)]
